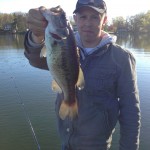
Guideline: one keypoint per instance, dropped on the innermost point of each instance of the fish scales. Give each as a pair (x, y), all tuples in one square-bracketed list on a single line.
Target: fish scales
[(63, 59)]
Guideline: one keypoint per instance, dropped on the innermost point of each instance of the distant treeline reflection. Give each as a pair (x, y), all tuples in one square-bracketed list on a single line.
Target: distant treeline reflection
[(12, 40), (138, 41)]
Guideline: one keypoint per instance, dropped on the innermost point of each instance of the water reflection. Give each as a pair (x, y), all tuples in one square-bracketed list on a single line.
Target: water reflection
[(34, 87), (11, 41), (23, 85), (139, 42)]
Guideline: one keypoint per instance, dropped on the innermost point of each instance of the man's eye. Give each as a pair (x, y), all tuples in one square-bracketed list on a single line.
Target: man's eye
[(82, 17), (95, 17)]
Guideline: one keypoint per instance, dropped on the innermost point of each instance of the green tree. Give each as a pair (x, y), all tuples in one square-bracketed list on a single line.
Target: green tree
[(5, 18), (147, 21), (119, 23), (21, 21)]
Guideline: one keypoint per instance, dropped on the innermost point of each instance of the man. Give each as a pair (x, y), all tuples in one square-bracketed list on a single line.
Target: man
[(110, 93)]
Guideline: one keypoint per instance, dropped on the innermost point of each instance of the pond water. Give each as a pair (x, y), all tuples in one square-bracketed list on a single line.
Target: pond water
[(27, 117)]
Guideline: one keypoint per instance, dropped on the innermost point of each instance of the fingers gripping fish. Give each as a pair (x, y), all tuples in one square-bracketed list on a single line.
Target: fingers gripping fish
[(63, 60)]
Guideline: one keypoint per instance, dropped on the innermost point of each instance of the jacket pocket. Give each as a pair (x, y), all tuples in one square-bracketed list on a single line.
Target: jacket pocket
[(101, 82), (93, 121)]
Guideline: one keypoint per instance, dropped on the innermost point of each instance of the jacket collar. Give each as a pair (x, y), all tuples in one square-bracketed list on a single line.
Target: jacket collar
[(106, 39)]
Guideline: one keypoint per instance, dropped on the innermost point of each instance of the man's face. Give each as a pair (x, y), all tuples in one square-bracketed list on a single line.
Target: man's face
[(89, 23)]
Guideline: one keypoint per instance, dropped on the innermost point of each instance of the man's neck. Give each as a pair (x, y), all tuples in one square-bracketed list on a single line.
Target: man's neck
[(91, 44)]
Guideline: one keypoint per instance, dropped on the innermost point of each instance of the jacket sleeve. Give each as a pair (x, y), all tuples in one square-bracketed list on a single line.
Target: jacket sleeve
[(130, 115), (32, 53)]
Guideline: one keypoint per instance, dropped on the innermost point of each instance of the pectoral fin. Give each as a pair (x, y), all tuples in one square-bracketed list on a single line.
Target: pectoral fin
[(80, 83), (55, 87), (43, 52)]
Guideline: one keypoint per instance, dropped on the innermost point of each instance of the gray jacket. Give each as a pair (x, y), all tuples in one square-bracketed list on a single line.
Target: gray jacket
[(110, 95)]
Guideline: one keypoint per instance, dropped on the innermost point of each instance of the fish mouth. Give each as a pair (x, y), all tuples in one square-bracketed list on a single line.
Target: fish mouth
[(55, 36)]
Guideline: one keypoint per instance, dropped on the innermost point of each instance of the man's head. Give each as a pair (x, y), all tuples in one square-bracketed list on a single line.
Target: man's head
[(98, 5), (90, 17)]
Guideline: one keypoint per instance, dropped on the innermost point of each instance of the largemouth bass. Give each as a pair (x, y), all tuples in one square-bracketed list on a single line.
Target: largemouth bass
[(63, 60)]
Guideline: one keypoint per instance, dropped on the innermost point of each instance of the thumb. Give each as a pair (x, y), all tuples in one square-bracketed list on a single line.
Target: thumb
[(43, 10)]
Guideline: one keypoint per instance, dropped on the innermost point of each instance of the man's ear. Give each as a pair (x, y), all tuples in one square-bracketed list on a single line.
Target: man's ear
[(105, 20)]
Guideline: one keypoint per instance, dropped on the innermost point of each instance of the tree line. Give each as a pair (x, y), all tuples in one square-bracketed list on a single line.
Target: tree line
[(139, 23), (17, 18)]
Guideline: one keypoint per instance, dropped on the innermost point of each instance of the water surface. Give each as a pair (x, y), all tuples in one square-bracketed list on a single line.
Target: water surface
[(25, 95)]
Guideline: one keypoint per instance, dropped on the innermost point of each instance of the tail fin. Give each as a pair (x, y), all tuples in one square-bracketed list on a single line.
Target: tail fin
[(66, 110)]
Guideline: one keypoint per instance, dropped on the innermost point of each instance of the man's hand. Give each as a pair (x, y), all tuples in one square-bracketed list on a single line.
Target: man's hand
[(37, 24)]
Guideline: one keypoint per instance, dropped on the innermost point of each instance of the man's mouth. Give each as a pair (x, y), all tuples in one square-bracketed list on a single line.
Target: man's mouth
[(55, 36)]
